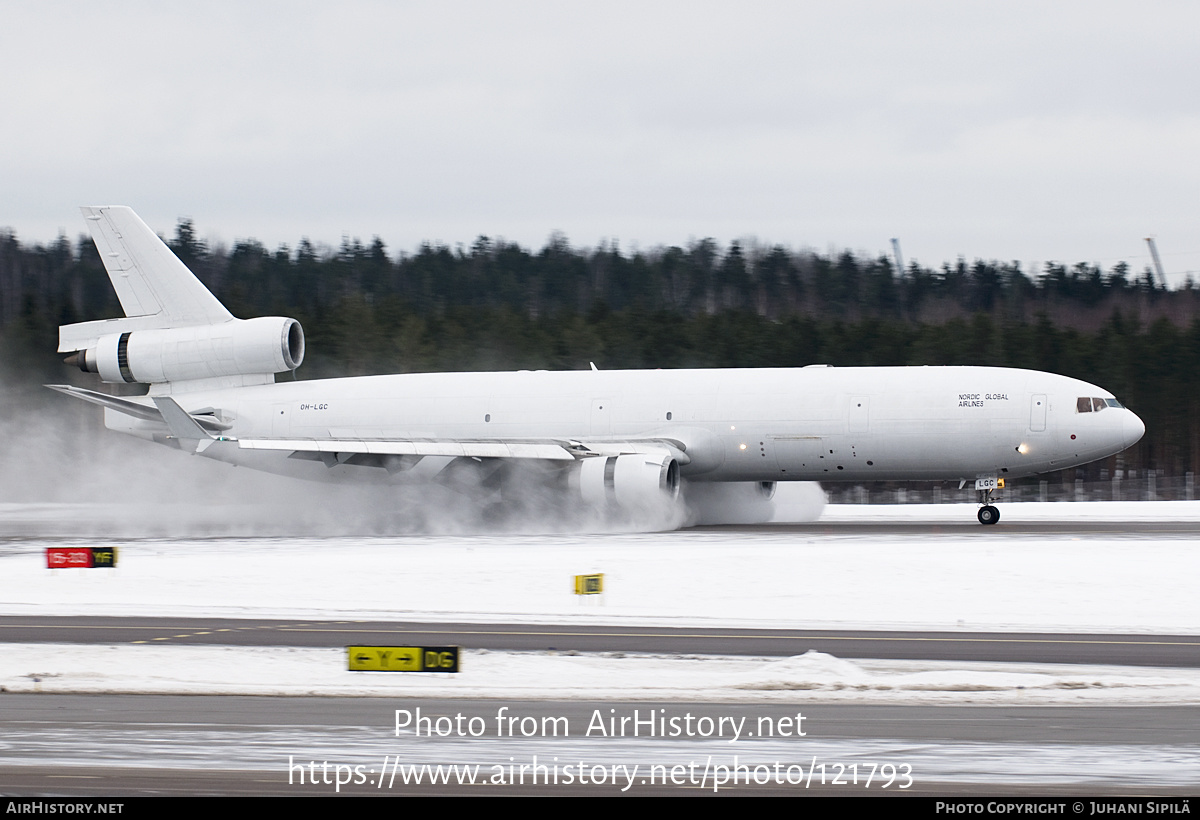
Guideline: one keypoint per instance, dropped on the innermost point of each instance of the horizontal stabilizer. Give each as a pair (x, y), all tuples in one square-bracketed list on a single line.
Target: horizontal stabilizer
[(129, 408), (132, 408)]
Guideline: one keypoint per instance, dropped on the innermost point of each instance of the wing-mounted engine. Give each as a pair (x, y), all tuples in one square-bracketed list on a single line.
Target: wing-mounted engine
[(238, 347), (632, 481)]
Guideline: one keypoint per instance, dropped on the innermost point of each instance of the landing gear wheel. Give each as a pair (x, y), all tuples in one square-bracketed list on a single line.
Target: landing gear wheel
[(988, 515)]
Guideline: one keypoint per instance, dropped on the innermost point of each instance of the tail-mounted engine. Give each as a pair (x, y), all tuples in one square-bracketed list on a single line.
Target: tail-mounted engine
[(239, 347)]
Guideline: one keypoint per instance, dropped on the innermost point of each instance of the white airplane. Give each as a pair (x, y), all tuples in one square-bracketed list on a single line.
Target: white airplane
[(625, 439)]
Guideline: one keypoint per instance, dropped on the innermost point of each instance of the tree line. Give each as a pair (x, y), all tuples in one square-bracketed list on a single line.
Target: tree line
[(496, 305)]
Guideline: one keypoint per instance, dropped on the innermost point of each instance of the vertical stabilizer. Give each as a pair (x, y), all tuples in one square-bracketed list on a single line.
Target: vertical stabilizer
[(149, 279), (174, 331), (157, 291)]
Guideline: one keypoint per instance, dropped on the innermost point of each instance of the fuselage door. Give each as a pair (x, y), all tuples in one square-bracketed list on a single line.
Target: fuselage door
[(1037, 413), (601, 421), (281, 421), (860, 414)]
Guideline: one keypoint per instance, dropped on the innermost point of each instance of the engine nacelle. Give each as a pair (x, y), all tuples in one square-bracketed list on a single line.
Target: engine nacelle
[(241, 347), (635, 481)]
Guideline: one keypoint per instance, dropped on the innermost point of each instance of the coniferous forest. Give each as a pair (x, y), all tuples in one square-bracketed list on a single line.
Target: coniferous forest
[(495, 305)]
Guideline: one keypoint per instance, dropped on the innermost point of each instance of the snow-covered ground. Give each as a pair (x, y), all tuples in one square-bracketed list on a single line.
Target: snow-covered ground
[(812, 677), (979, 581), (971, 578), (965, 579)]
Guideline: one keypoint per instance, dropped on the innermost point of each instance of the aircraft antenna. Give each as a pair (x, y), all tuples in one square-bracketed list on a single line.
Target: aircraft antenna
[(1162, 277)]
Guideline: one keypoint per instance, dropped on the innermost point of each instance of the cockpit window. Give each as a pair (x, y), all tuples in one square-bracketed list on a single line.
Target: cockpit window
[(1094, 404)]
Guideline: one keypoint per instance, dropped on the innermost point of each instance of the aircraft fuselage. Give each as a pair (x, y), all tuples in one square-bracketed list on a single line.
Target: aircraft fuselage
[(803, 424)]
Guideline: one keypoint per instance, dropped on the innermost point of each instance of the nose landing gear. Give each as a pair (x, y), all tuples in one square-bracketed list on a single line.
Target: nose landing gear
[(988, 514)]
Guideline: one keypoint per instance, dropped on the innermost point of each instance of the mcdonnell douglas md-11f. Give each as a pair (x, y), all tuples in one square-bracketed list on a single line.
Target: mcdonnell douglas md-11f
[(617, 439)]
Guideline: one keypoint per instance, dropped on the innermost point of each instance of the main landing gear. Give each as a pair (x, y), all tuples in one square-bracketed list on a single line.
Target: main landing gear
[(988, 514)]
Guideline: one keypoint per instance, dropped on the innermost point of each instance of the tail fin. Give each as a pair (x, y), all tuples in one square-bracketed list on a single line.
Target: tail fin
[(174, 330), (156, 290)]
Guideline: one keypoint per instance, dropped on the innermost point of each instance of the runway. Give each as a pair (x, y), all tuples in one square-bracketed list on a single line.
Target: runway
[(1046, 647), (53, 522), (968, 527), (915, 618), (96, 745), (132, 521)]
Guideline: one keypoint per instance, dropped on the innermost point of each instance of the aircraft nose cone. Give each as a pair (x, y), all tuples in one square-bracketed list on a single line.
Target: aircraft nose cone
[(1132, 429)]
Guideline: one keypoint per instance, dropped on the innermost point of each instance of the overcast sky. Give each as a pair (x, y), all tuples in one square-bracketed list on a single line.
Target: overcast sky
[(1031, 131)]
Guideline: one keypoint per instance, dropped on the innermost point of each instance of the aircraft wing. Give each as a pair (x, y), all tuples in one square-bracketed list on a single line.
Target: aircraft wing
[(496, 448), (197, 426), (548, 449)]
